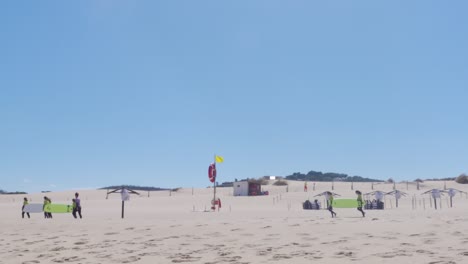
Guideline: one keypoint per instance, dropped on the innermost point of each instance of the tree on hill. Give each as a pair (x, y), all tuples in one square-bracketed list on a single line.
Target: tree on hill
[(462, 179), (328, 176)]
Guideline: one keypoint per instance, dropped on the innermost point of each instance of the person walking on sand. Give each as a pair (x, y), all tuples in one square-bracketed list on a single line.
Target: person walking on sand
[(360, 202), (77, 206), (47, 201), (25, 202), (305, 186), (330, 204)]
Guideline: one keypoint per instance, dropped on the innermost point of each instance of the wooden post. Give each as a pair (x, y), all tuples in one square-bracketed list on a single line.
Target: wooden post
[(407, 185), (107, 195), (417, 185), (451, 205), (123, 209), (213, 206), (148, 194), (314, 186), (372, 186), (333, 185), (352, 187), (435, 203)]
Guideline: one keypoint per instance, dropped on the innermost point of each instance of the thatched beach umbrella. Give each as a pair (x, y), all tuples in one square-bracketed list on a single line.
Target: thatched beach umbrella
[(451, 193), (435, 194), (398, 194)]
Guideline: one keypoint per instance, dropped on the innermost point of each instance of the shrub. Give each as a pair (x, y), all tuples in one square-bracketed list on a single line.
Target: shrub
[(418, 180), (260, 181), (280, 183), (390, 180), (462, 179)]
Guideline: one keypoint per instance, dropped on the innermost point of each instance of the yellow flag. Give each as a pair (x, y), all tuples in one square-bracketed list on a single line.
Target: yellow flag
[(219, 159)]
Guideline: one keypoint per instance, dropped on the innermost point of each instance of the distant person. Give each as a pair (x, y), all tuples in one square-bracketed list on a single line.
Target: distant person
[(360, 202), (330, 204), (25, 202), (305, 186), (77, 206)]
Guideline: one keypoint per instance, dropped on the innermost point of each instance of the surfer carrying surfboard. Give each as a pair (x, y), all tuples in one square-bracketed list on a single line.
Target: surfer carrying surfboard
[(360, 203), (25, 202)]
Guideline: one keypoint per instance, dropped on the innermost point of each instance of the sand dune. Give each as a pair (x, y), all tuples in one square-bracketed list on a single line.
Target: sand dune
[(173, 228)]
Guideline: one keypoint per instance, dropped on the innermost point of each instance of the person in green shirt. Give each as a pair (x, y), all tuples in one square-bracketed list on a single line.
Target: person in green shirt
[(360, 203), (25, 202), (47, 201), (330, 204)]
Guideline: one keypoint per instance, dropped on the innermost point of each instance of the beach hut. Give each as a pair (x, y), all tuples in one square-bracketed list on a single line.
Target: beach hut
[(245, 188)]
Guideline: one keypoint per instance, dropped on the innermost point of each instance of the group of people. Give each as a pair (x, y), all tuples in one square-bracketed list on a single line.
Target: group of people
[(76, 206), (360, 203)]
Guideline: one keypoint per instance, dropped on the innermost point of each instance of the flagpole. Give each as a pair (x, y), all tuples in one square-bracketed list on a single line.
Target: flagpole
[(214, 185)]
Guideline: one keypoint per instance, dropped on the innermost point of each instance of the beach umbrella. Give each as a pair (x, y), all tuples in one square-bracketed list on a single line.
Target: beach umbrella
[(124, 194), (325, 194), (451, 193), (379, 195), (398, 194), (435, 194)]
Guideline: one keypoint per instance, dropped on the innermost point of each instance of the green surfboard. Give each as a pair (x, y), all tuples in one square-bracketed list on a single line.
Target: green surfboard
[(345, 203), (58, 208)]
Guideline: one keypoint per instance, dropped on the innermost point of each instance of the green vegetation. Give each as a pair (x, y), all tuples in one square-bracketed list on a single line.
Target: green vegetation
[(4, 192), (260, 181), (328, 176), (280, 183), (462, 179)]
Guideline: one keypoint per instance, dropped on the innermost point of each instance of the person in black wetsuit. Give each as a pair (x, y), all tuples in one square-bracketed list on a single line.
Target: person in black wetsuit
[(360, 203), (77, 206)]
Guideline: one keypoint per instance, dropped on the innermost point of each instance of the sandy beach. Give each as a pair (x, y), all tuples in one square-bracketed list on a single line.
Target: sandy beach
[(164, 227)]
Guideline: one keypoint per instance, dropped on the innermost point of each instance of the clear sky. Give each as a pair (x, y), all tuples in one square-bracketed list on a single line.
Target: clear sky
[(94, 93)]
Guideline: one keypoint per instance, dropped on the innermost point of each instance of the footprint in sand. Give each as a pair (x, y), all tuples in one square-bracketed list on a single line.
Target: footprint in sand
[(130, 259), (344, 254), (67, 259), (181, 258), (281, 256)]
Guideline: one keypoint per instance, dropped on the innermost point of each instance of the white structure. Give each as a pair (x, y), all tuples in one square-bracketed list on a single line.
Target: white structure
[(241, 188)]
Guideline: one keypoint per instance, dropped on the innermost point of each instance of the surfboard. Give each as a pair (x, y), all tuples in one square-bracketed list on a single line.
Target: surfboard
[(58, 208), (33, 208), (345, 203)]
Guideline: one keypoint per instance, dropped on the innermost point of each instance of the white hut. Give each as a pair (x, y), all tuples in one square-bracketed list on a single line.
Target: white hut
[(241, 188)]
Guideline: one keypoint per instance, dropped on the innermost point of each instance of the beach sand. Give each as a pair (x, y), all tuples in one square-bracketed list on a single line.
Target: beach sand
[(174, 228)]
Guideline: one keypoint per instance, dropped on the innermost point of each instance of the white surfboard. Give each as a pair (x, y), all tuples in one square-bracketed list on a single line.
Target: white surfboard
[(33, 208)]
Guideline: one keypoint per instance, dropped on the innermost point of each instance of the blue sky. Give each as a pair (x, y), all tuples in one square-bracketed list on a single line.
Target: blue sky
[(94, 93)]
